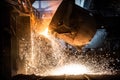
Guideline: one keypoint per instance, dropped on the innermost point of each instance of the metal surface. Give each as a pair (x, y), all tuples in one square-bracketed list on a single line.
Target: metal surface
[(73, 24)]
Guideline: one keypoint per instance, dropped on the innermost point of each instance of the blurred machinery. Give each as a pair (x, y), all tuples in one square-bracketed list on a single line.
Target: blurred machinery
[(73, 24)]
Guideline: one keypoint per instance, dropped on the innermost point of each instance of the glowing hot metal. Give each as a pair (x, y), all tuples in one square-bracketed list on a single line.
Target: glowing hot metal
[(71, 69), (45, 32), (48, 56)]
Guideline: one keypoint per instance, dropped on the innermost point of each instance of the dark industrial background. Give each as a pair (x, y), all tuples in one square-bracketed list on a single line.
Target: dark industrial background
[(106, 13)]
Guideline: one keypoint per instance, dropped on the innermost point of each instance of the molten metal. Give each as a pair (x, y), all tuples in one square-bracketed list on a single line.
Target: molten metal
[(45, 32), (71, 69), (51, 56)]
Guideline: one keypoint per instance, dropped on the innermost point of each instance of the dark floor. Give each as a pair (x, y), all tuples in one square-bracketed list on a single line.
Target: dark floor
[(71, 77)]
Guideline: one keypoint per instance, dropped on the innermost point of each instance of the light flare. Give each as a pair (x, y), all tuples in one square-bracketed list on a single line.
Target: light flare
[(71, 69), (45, 33)]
